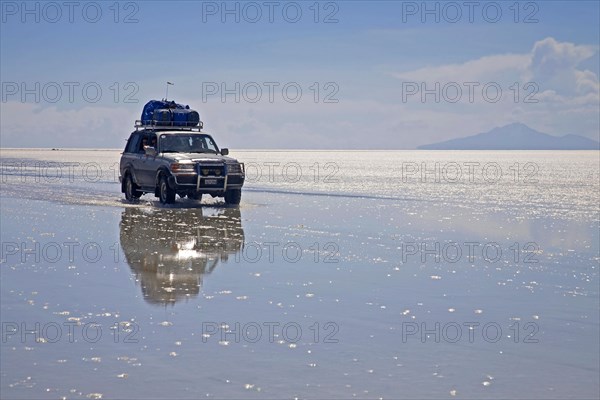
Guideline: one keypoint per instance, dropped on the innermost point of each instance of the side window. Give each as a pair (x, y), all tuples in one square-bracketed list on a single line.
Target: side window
[(133, 144)]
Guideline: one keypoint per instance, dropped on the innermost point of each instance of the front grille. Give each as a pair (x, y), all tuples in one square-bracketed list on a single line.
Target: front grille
[(211, 170)]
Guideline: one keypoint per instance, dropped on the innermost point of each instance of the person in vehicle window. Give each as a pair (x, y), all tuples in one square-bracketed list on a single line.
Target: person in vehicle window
[(144, 145)]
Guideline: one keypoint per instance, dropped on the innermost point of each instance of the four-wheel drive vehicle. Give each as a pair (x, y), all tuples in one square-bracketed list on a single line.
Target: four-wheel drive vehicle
[(170, 160)]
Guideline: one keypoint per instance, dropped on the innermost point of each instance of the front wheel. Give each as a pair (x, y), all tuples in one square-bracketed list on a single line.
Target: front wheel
[(131, 191), (166, 194), (233, 196)]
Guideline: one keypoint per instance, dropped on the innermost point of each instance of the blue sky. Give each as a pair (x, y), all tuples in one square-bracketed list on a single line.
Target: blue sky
[(538, 62)]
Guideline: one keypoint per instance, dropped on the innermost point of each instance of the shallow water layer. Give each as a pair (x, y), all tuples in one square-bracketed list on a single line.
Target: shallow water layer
[(562, 184), (294, 294)]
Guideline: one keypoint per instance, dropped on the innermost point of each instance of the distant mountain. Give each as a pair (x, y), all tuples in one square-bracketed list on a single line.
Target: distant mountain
[(515, 137)]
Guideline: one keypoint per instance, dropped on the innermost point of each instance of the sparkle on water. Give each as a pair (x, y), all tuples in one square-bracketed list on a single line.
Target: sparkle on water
[(342, 274)]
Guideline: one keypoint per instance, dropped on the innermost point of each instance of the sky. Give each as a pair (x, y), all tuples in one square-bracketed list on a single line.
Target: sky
[(300, 75)]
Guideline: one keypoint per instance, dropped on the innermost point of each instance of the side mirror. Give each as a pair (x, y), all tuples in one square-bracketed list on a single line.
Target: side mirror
[(224, 152), (150, 151)]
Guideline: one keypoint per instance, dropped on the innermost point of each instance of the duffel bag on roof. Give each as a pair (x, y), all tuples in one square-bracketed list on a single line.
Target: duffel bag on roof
[(185, 117), (161, 112), (162, 117), (148, 111)]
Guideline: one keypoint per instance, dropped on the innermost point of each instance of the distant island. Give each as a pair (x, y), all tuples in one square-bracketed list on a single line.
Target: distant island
[(515, 136)]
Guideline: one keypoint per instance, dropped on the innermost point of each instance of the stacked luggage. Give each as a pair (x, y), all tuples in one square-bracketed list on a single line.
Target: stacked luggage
[(169, 113)]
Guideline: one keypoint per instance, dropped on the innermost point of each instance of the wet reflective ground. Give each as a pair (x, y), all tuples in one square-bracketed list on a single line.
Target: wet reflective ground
[(293, 295)]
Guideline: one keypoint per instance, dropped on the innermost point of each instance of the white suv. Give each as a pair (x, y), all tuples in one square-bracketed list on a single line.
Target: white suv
[(174, 160)]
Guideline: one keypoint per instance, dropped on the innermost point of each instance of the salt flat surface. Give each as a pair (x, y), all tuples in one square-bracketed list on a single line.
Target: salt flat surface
[(358, 278)]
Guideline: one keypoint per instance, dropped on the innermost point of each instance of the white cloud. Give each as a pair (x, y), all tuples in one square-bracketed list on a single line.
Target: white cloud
[(549, 57), (471, 71), (552, 65)]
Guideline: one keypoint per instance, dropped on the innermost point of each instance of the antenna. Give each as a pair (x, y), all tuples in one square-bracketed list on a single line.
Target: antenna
[(167, 95)]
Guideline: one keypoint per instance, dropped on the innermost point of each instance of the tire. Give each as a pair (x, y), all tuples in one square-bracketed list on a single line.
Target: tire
[(131, 189), (166, 194), (233, 197), (195, 196)]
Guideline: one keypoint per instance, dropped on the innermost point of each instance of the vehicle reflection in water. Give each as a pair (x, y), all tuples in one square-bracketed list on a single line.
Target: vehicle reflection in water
[(170, 250)]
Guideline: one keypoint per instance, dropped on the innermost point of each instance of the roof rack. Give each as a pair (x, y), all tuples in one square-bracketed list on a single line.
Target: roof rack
[(161, 125)]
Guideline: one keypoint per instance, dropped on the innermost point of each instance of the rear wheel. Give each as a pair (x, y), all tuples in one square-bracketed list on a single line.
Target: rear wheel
[(166, 194), (131, 189), (233, 196)]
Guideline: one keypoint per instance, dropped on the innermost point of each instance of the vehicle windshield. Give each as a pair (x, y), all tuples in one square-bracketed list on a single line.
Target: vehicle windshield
[(187, 144)]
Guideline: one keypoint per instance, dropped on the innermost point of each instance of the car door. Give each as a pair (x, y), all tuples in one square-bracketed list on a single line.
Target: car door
[(148, 164), (131, 157)]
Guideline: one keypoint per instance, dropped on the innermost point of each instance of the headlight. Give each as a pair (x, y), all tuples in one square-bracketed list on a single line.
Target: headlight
[(234, 168), (182, 168)]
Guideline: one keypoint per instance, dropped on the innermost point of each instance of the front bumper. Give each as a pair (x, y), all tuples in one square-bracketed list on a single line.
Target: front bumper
[(208, 178)]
